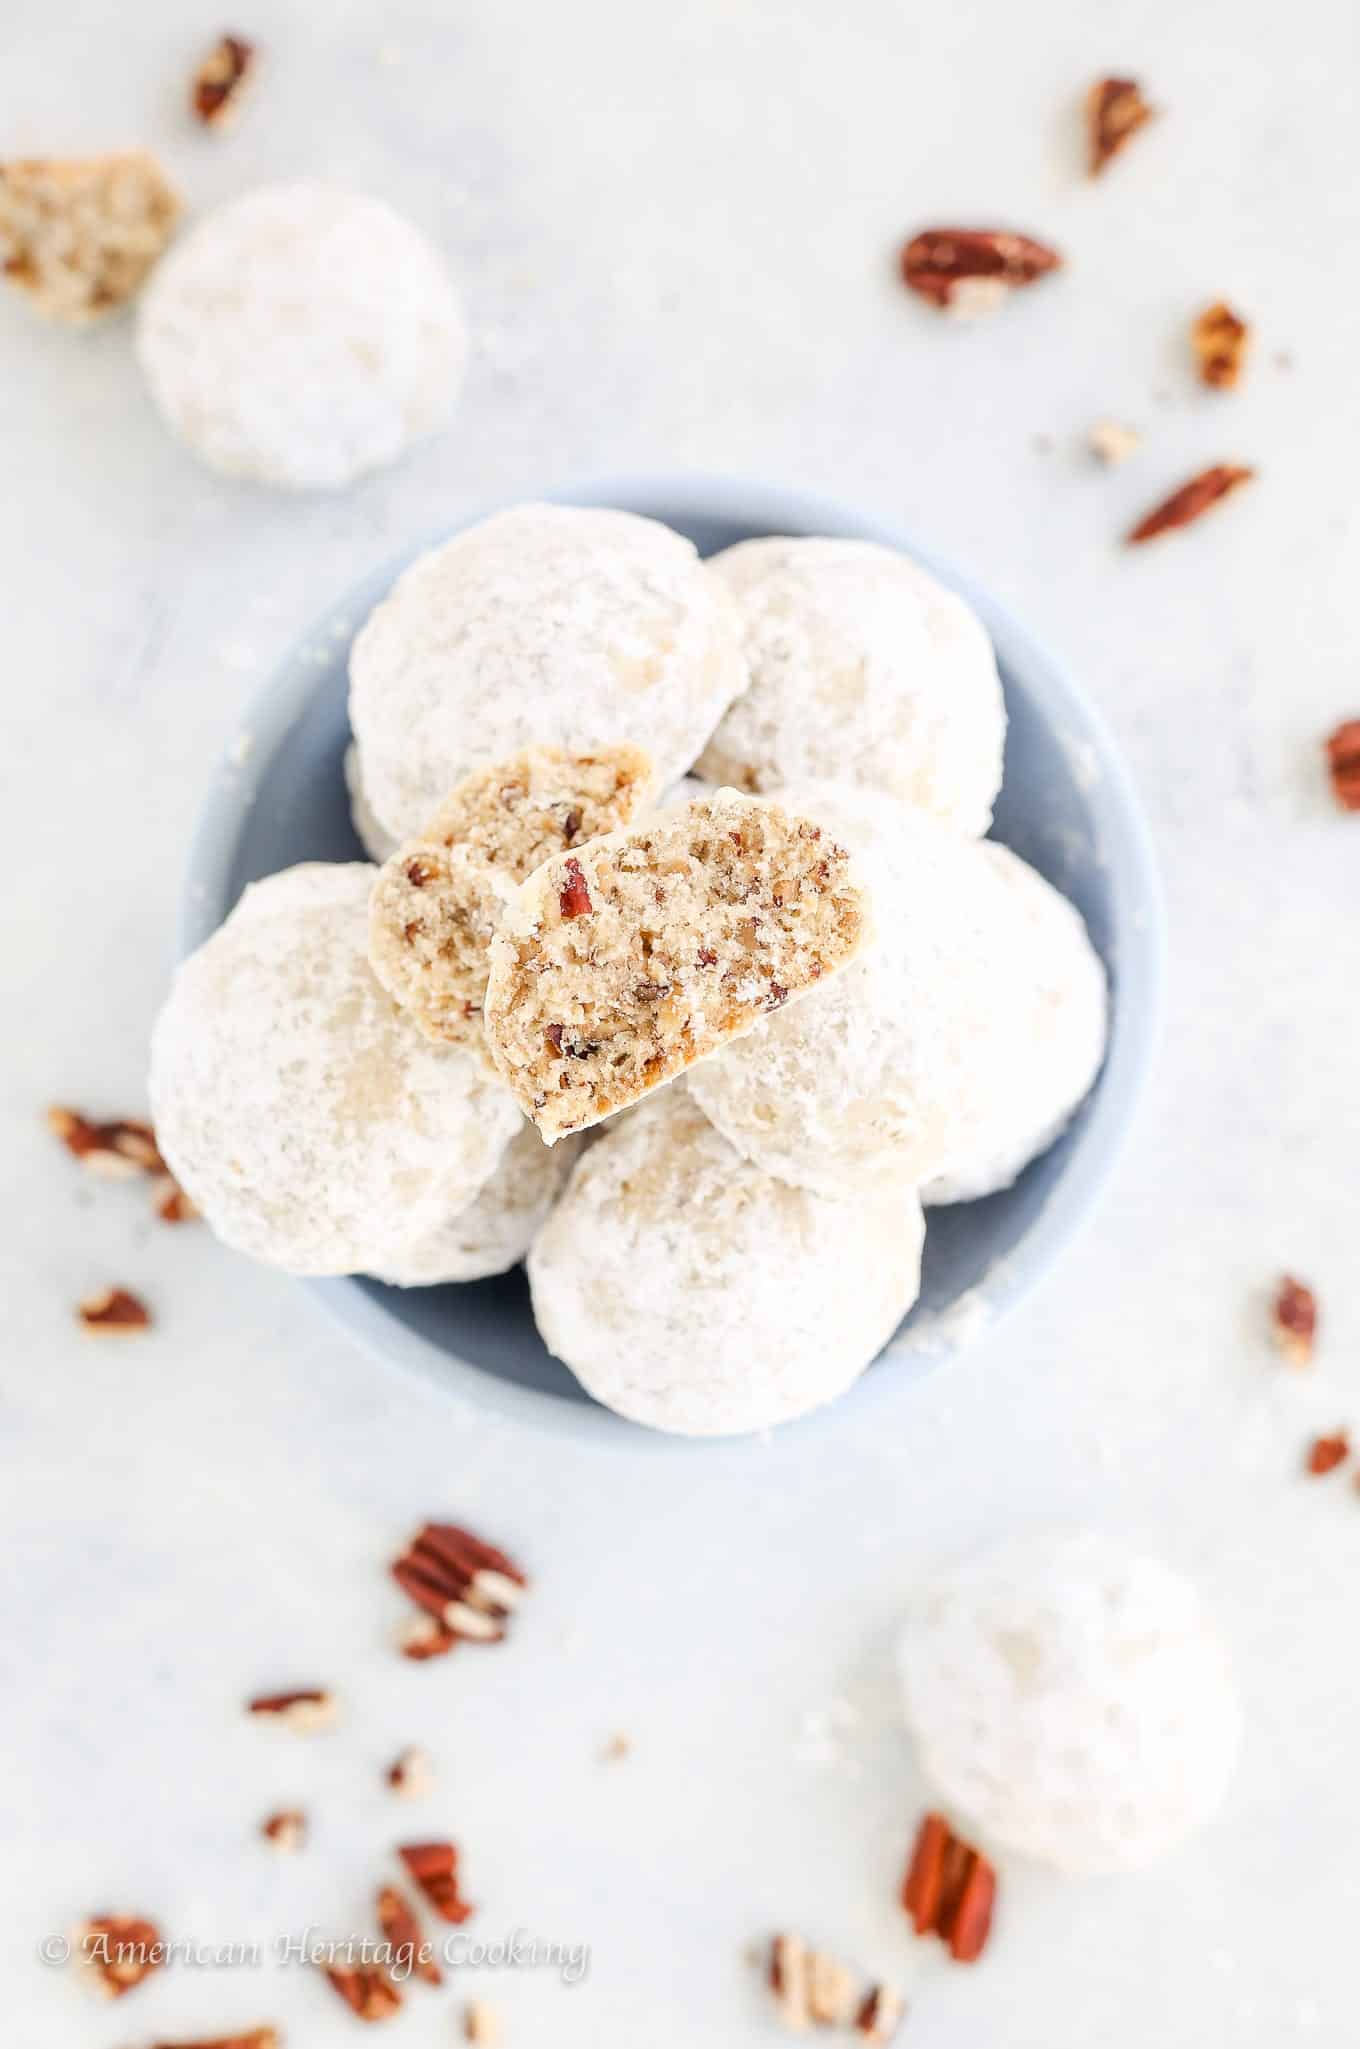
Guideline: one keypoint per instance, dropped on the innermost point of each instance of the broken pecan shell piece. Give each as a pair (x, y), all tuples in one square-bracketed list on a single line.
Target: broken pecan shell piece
[(1343, 763), (116, 1312), (1325, 1454), (400, 1927), (434, 1868), (1221, 338), (971, 268), (366, 1990), (949, 1890), (1191, 501), (1115, 110), (220, 82), (118, 1950), (1294, 1321)]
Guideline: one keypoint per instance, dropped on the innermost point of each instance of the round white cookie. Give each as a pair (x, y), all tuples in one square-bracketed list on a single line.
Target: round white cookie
[(547, 625), (952, 1050), (864, 669), (500, 1223), (1072, 1700), (302, 335), (312, 1125), (377, 844), (690, 1291)]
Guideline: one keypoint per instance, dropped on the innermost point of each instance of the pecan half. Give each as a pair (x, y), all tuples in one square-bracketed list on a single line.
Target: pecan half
[(410, 1773), (118, 1951), (116, 1313), (1294, 1317), (1115, 110), (970, 270), (1343, 763), (574, 897), (286, 1830), (949, 1890), (366, 1990), (468, 1587), (253, 2038), (434, 1868), (880, 2014), (220, 82), (1191, 501), (1220, 340), (118, 1150), (401, 1928), (309, 1707), (1325, 1454)]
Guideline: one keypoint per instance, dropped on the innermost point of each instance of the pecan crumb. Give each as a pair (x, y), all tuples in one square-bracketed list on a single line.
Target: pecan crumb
[(220, 82), (1191, 501), (469, 1588), (481, 2023), (1111, 443), (971, 270), (808, 1984), (434, 1868), (310, 1707), (118, 1150), (403, 1931), (115, 1313), (1220, 339), (1343, 762), (118, 1950), (171, 1204), (1115, 110), (411, 1773), (880, 2014), (1294, 1321), (366, 1990), (286, 1830), (574, 897), (949, 1890), (1325, 1454), (616, 1749)]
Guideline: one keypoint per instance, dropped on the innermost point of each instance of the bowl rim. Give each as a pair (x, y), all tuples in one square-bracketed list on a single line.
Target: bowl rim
[(1138, 922)]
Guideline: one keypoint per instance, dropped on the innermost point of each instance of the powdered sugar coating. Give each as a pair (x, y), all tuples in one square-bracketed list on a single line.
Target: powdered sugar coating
[(966, 1032), (377, 844), (1072, 1700), (545, 625), (311, 1124), (500, 1223), (691, 1292), (864, 669), (301, 336)]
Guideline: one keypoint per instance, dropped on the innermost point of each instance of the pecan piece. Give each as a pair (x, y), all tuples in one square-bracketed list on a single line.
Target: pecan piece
[(949, 1890), (366, 1990), (434, 1868), (467, 1586), (309, 1707), (286, 1830), (1343, 762), (410, 1773), (115, 1313), (1111, 443), (574, 897), (1115, 110), (403, 1931), (253, 2038), (880, 2014), (1294, 1319), (424, 1638), (171, 1204), (970, 270), (118, 1950), (808, 1984), (1191, 501), (481, 2023), (220, 82), (118, 1150), (1325, 1454), (1220, 338)]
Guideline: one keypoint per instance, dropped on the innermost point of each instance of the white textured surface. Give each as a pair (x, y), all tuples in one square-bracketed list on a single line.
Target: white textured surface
[(1071, 1700), (311, 1124), (864, 670), (692, 1292), (675, 233), (545, 626), (302, 336)]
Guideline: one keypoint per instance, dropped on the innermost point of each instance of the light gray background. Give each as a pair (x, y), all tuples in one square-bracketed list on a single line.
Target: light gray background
[(675, 232)]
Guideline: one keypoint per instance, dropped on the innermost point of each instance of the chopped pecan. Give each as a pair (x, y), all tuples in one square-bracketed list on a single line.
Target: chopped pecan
[(970, 270), (481, 2023), (1343, 762), (1191, 501), (617, 1748), (467, 1586), (410, 1773), (118, 1950), (1220, 337), (574, 897), (1115, 110), (880, 2014), (171, 1204), (1112, 444), (286, 1830), (424, 1637), (402, 1930), (949, 1890), (118, 1150), (1294, 1319), (220, 81), (309, 1707), (809, 1985), (434, 1868), (366, 1990), (253, 2038), (1325, 1454), (114, 1313)]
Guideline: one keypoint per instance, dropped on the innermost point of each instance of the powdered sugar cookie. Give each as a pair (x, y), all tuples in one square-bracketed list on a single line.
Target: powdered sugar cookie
[(500, 1223), (376, 843)]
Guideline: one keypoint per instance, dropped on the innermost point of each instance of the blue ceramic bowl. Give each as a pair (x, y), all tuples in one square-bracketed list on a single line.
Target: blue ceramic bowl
[(1066, 806)]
